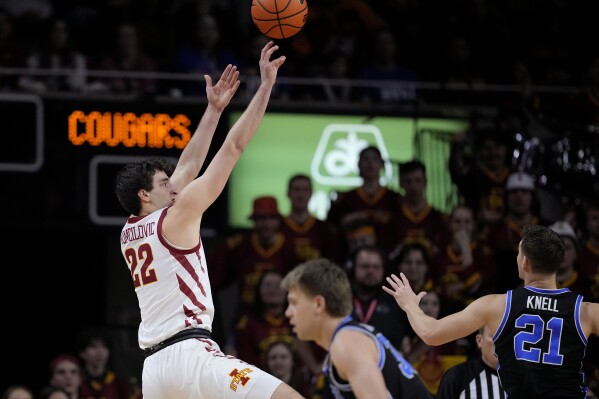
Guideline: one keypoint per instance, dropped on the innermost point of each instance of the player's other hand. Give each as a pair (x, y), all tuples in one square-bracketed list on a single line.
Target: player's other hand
[(220, 94), (402, 292), (268, 67)]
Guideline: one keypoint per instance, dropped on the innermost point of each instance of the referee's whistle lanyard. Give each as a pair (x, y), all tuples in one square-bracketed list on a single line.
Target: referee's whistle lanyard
[(364, 318)]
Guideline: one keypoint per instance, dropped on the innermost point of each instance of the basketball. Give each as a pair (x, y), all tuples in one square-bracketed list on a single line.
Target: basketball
[(279, 19)]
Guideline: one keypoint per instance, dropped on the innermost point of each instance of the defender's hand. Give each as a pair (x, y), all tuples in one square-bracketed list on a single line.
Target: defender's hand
[(402, 292)]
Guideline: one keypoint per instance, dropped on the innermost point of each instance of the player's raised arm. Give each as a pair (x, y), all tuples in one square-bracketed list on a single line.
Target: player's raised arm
[(483, 311), (193, 156), (185, 215)]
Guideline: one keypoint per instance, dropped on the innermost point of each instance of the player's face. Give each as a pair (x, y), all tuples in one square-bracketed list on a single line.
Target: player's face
[(162, 193), (300, 311)]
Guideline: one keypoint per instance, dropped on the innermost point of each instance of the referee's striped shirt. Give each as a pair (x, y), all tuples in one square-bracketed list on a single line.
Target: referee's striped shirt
[(470, 380)]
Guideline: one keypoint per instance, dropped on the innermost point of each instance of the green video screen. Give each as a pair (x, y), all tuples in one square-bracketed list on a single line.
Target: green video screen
[(326, 147)]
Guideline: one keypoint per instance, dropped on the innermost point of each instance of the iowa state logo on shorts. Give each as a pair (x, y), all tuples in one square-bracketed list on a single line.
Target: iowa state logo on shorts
[(239, 377)]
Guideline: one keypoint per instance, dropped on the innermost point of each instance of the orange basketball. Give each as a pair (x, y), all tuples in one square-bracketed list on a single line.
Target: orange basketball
[(279, 19)]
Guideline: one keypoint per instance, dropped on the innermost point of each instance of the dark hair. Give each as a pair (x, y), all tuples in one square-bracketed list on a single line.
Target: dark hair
[(258, 306), (413, 246), (298, 176), (411, 166), (543, 247), (371, 148), (137, 176), (351, 264), (90, 335)]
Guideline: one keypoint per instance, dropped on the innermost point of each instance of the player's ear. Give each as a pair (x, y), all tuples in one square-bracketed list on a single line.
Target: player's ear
[(526, 264), (144, 195), (320, 304)]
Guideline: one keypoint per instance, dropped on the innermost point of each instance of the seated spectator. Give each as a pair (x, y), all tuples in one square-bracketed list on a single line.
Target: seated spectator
[(392, 81), (478, 165), (414, 261), (99, 380), (521, 208), (256, 330), (312, 238), (65, 373), (370, 202), (128, 56), (281, 362), (205, 54), (57, 54), (465, 264), (417, 220), (367, 271)]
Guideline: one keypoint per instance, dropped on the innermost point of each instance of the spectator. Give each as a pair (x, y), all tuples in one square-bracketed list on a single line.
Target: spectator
[(476, 378), (567, 274), (392, 81), (242, 258), (58, 55), (205, 54), (256, 330), (522, 208), (312, 238), (417, 220), (368, 267), (414, 261), (65, 373), (465, 264), (478, 168), (127, 56), (99, 379), (370, 202), (281, 362)]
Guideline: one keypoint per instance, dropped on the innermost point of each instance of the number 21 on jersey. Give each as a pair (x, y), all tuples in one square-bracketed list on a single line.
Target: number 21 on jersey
[(536, 328)]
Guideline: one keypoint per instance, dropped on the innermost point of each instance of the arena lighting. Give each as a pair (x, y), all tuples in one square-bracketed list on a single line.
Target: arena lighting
[(128, 129)]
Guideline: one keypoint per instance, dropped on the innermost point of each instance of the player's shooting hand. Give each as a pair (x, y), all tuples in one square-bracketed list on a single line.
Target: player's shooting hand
[(221, 93), (268, 67), (402, 292)]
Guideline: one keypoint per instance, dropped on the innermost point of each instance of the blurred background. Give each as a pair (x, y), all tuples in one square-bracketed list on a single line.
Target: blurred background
[(85, 85)]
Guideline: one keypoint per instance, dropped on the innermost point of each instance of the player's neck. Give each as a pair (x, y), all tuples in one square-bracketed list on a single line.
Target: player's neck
[(547, 282), (327, 330)]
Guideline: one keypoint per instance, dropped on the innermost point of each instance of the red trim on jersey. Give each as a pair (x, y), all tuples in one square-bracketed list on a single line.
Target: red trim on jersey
[(166, 243)]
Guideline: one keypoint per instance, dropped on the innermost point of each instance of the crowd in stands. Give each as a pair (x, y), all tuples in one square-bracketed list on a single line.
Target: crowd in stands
[(468, 44), (370, 230)]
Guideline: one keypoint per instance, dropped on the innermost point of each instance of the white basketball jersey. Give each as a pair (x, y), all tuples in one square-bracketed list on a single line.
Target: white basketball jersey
[(171, 283)]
